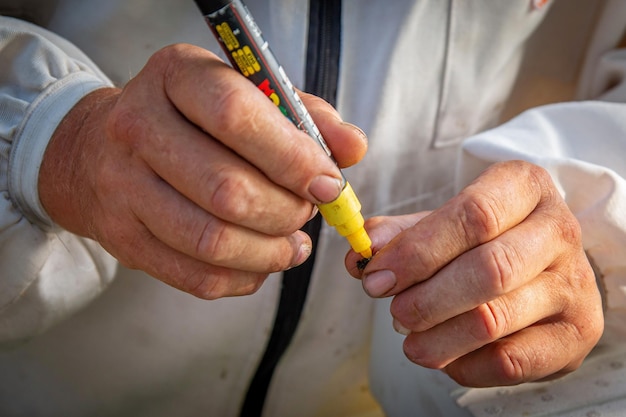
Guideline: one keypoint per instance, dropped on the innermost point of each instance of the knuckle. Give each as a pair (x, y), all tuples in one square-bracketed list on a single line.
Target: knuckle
[(419, 316), (417, 353), (569, 229), (205, 285), (515, 365), (480, 214), (230, 98), (169, 54), (537, 175), (584, 330), (499, 263), (492, 322), (594, 329), (215, 243), (423, 262), (539, 179), (165, 65), (213, 285), (200, 284), (126, 124), (231, 195)]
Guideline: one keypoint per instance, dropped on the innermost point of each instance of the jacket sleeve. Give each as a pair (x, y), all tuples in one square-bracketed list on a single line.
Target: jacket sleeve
[(46, 273)]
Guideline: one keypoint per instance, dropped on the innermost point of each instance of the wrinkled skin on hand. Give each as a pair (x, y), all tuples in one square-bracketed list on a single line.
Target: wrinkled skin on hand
[(494, 287), (191, 174)]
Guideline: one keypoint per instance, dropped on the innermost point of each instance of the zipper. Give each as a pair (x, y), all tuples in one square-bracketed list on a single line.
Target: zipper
[(321, 75), (323, 49)]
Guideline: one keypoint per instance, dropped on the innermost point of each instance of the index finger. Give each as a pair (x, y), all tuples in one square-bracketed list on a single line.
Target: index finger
[(347, 142), (230, 108), (503, 196)]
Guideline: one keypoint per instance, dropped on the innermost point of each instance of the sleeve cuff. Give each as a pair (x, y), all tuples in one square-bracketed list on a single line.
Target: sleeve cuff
[(33, 135)]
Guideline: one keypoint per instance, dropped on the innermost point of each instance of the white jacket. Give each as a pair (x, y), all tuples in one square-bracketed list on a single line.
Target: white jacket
[(83, 336)]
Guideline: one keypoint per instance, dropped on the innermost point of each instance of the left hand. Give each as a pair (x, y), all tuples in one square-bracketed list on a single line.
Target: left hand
[(494, 287)]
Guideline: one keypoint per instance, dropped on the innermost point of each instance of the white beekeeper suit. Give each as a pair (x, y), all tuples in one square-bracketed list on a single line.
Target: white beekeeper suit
[(82, 336)]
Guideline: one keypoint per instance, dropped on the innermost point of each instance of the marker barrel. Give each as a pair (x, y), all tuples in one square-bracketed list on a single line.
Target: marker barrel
[(243, 43)]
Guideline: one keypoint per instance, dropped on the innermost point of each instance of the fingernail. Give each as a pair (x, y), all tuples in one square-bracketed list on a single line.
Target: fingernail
[(325, 188), (304, 249), (379, 283), (400, 328), (359, 131), (313, 212)]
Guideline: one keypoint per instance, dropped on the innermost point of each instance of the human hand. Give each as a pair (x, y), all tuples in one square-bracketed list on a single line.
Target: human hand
[(494, 287), (191, 174)]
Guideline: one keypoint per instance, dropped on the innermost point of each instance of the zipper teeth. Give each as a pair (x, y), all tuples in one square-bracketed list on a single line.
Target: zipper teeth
[(323, 47), (323, 58)]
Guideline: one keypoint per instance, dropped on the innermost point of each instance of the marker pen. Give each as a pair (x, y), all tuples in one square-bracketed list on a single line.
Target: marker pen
[(248, 52)]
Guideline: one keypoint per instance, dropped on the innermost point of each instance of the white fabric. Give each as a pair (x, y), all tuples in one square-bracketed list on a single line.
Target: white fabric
[(418, 77), (597, 390)]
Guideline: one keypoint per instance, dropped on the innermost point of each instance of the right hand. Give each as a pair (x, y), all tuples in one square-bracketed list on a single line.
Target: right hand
[(191, 174), (494, 287)]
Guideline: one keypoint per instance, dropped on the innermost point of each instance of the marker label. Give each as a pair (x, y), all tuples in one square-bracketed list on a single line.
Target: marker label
[(248, 51)]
